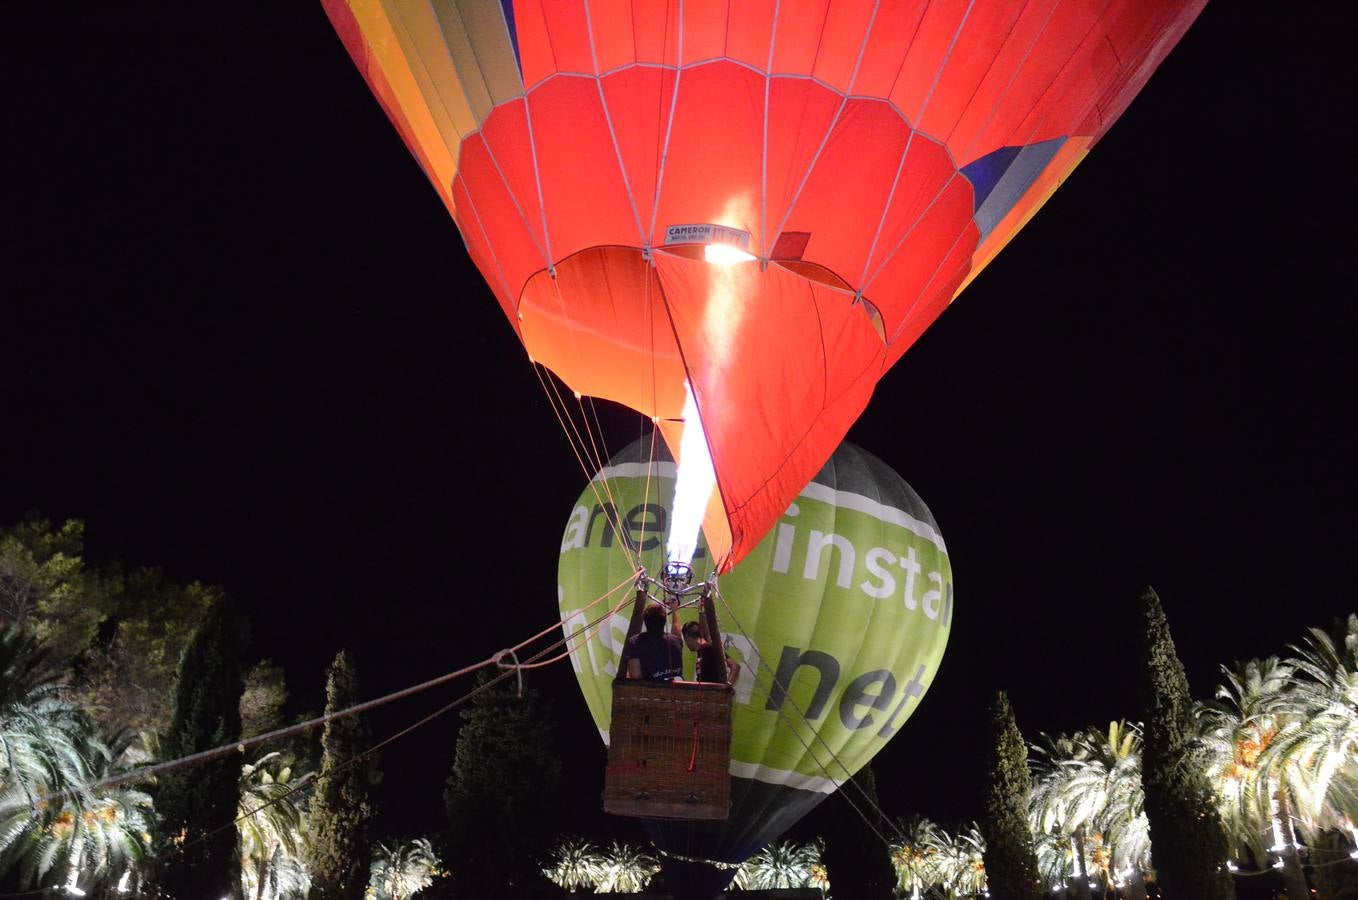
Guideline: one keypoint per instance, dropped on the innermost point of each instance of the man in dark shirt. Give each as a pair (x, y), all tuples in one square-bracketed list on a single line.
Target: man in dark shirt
[(653, 654), (708, 662)]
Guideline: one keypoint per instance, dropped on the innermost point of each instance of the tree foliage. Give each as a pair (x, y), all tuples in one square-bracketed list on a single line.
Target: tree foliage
[(502, 794), (341, 807), (1189, 844), (198, 803), (1010, 860), (857, 858), (402, 870), (46, 588)]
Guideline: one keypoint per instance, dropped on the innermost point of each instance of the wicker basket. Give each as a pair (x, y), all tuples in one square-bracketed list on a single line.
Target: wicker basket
[(669, 751)]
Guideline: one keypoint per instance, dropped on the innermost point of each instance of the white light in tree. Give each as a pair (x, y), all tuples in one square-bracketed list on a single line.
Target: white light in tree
[(725, 254), (122, 882), (693, 485)]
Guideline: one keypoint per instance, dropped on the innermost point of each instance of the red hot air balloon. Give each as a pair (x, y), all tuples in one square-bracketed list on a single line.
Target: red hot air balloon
[(766, 201)]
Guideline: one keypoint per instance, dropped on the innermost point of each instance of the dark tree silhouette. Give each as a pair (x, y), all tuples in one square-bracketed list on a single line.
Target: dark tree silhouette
[(1189, 846), (503, 795), (857, 861), (1010, 860), (341, 807), (197, 804)]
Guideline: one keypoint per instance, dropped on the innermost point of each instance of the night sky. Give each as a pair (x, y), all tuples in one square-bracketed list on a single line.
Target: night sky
[(241, 338)]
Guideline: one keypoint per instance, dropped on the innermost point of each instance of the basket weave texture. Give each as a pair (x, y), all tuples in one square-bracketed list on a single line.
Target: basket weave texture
[(669, 751)]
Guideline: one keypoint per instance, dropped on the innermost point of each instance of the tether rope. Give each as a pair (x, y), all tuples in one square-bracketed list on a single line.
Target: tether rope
[(508, 671), (279, 734)]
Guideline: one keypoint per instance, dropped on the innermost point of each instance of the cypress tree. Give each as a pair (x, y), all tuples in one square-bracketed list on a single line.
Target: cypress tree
[(503, 795), (197, 805), (341, 807), (857, 862), (1188, 842), (1010, 859)]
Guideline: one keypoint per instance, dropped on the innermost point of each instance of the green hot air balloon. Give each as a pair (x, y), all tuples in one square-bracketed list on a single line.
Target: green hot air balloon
[(838, 620)]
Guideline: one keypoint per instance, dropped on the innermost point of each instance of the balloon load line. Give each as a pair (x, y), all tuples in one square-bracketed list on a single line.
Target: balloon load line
[(497, 659)]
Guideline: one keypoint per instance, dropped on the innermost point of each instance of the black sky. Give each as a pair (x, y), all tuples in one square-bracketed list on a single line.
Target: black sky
[(241, 338)]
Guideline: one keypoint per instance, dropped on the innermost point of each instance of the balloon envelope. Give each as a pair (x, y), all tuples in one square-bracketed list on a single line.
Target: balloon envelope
[(838, 618), (865, 157)]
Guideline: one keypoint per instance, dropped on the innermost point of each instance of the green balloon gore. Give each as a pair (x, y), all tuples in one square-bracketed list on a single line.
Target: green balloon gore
[(838, 619)]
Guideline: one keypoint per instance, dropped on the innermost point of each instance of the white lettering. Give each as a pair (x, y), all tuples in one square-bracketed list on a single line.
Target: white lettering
[(577, 529), (782, 551), (886, 585), (815, 552), (933, 596), (910, 563)]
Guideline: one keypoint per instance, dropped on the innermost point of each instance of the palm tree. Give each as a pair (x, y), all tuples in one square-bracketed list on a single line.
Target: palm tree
[(1088, 810), (1323, 698), (1239, 733), (960, 868), (271, 826), (48, 747), (914, 856), (627, 869), (403, 870), (780, 866), (1065, 802), (575, 864)]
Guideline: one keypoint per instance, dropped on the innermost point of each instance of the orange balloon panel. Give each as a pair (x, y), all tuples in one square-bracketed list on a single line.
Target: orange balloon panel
[(870, 155)]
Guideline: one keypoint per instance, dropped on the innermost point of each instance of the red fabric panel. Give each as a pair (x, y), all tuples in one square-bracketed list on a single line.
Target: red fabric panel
[(749, 30), (935, 296), (655, 25), (1016, 92), (474, 236), (1142, 35), (973, 132), (892, 34), (926, 175), (582, 186), (800, 113), (713, 168), (969, 55), (841, 40), (506, 136), (944, 239), (1073, 95), (866, 145), (536, 60), (568, 35), (780, 367), (704, 29), (797, 39), (506, 230), (928, 49), (613, 28), (638, 100)]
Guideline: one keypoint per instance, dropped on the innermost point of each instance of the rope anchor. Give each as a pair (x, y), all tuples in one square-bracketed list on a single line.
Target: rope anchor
[(498, 659)]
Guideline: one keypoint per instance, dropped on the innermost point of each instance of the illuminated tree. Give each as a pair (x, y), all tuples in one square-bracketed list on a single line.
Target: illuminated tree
[(401, 871), (575, 864)]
